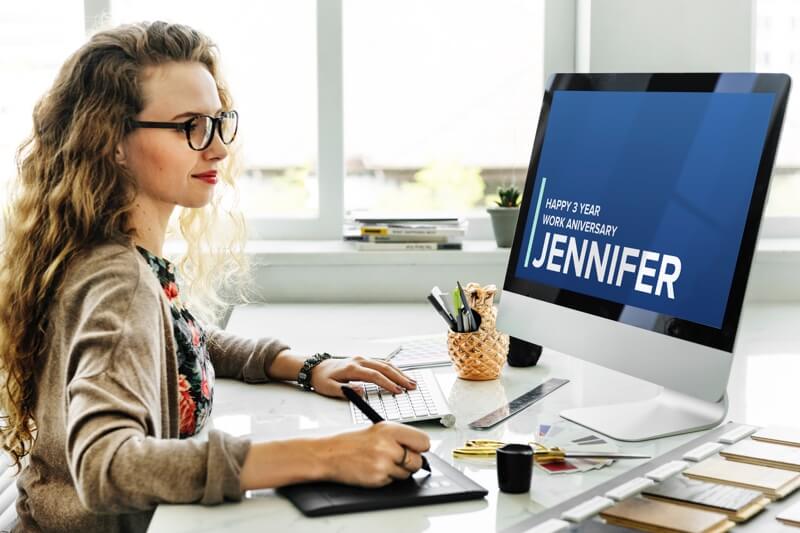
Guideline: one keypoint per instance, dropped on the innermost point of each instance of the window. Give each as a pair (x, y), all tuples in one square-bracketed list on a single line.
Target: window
[(441, 101), (36, 37), (268, 59), (419, 105), (431, 105), (778, 50)]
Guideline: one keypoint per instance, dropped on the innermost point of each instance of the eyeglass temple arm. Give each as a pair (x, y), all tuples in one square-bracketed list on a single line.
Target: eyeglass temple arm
[(180, 126)]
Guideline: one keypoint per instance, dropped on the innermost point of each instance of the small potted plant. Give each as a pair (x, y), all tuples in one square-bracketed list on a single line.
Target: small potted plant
[(504, 216)]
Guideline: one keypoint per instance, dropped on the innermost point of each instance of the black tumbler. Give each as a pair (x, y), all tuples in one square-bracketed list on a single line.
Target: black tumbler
[(514, 468), (522, 353)]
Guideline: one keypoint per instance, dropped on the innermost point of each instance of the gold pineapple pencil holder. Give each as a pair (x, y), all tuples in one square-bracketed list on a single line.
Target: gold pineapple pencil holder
[(479, 355)]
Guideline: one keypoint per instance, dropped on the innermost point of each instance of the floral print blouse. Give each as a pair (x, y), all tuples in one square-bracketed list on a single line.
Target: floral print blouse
[(195, 371)]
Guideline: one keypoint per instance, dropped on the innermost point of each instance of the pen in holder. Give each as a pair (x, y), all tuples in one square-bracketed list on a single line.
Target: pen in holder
[(479, 355)]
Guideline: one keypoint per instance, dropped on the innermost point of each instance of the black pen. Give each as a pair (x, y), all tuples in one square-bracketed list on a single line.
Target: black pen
[(370, 413), (443, 312), (472, 322)]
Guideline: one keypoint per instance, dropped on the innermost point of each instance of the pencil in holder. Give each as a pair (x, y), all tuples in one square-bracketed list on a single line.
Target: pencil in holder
[(479, 355)]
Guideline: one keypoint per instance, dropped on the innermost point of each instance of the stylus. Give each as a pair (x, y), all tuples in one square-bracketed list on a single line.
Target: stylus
[(370, 413)]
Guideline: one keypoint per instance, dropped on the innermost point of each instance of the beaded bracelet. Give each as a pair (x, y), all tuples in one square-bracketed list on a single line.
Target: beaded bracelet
[(304, 377)]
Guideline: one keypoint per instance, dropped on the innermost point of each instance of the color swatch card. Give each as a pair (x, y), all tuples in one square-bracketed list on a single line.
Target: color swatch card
[(657, 516), (764, 453), (778, 435), (790, 516), (773, 482), (573, 465), (739, 504), (571, 437)]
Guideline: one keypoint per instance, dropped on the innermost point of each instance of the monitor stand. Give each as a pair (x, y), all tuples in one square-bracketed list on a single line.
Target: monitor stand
[(669, 413)]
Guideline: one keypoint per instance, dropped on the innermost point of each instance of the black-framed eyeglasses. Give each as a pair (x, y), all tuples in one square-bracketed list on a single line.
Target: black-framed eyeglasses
[(200, 128)]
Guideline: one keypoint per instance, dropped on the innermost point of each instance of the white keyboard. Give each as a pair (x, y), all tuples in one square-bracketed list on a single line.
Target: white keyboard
[(426, 402)]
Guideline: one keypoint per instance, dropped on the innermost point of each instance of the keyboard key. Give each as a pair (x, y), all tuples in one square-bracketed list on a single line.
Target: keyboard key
[(667, 470), (703, 451), (628, 489), (737, 434), (554, 525), (589, 508), (405, 406)]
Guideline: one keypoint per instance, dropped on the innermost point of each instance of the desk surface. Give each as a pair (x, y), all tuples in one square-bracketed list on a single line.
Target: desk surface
[(762, 391)]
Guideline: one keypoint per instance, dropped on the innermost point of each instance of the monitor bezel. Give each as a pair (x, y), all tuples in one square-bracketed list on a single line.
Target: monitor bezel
[(723, 338)]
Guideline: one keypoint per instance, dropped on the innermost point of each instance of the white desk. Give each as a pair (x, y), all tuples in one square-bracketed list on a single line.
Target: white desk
[(763, 390)]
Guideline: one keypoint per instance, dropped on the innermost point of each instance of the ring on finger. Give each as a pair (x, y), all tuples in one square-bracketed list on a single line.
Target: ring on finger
[(405, 456)]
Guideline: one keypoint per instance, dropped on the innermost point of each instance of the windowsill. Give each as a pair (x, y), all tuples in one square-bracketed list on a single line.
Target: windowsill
[(340, 252), (344, 253), (787, 249), (334, 271), (336, 252)]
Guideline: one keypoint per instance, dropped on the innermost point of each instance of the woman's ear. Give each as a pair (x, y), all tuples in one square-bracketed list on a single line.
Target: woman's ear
[(119, 155)]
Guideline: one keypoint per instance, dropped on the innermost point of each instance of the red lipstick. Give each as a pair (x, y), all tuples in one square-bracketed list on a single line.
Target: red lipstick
[(209, 176)]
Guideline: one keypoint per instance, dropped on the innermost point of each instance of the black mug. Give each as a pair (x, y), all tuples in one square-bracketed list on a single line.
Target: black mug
[(522, 353), (514, 468)]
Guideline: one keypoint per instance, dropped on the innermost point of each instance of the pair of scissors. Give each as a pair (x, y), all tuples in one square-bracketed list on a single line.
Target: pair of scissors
[(487, 448)]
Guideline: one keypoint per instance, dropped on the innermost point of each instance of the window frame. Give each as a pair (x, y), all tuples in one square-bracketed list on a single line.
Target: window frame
[(772, 227), (327, 224), (559, 39), (559, 51), (561, 35)]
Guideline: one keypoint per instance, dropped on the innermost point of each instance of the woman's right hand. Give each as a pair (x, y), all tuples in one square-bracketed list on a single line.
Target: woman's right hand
[(374, 456)]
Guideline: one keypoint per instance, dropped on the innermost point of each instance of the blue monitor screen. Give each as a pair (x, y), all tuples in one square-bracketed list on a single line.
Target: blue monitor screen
[(641, 198)]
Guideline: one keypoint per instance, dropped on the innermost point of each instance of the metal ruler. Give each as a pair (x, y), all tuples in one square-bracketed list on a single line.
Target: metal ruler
[(518, 404)]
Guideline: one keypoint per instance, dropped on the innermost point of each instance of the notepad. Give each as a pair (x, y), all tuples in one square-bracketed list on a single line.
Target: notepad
[(420, 351), (764, 453), (773, 482), (779, 435), (657, 516), (737, 503), (363, 348)]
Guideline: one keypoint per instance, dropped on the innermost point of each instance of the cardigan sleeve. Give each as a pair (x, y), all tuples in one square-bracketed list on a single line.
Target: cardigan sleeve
[(118, 467), (118, 455), (241, 358)]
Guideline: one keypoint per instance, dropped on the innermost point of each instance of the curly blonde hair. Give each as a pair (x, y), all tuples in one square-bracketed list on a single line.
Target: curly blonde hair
[(71, 194)]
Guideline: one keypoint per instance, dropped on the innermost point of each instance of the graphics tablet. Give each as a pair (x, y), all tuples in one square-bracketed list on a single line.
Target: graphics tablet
[(444, 484)]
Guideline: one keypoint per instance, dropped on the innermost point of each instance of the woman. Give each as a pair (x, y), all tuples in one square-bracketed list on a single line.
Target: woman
[(105, 371)]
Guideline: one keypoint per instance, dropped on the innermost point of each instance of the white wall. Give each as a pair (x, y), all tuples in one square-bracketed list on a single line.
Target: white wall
[(664, 35)]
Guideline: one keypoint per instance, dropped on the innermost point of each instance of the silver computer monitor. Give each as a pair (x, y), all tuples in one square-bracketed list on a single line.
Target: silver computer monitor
[(637, 229)]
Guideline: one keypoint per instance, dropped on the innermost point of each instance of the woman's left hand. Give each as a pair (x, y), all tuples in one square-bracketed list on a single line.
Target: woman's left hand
[(328, 377)]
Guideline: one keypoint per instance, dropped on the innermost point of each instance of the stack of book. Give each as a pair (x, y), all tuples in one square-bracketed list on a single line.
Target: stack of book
[(405, 233)]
